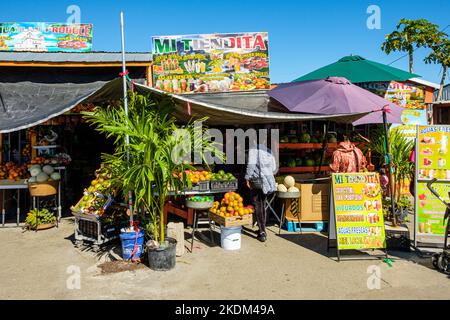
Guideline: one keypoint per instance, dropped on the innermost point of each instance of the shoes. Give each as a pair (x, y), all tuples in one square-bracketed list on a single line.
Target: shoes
[(262, 237)]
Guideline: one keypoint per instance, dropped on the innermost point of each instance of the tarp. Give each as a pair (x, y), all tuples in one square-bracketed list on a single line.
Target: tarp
[(26, 104), (239, 108)]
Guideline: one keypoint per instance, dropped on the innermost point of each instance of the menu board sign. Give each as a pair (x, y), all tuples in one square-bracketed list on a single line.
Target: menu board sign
[(45, 37), (211, 62), (433, 152), (433, 161), (358, 212)]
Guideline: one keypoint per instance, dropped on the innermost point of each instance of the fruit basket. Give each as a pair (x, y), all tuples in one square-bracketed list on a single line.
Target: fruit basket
[(43, 189), (200, 202), (233, 221), (223, 185)]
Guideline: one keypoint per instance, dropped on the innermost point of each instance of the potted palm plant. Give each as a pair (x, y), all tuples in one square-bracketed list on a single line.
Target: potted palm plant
[(401, 148), (157, 162)]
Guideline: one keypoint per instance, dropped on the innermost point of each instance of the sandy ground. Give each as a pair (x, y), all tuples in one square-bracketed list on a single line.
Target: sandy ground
[(290, 266)]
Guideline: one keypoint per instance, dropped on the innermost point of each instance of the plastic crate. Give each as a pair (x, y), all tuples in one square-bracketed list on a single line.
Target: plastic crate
[(318, 226), (223, 184)]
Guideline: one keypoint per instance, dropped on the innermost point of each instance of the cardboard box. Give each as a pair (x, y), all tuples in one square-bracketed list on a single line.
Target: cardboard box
[(313, 204)]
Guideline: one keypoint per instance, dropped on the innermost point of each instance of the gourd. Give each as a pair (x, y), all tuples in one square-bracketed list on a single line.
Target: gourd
[(35, 171), (289, 181), (48, 169), (55, 176), (42, 177), (293, 189), (281, 188)]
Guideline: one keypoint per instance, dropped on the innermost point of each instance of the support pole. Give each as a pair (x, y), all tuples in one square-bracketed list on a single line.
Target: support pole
[(388, 159), (125, 103)]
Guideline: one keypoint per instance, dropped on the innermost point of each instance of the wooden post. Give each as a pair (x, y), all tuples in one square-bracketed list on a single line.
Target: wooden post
[(1, 148), (33, 142)]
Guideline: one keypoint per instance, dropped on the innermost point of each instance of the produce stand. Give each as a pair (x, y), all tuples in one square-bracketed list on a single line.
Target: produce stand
[(12, 185), (181, 210)]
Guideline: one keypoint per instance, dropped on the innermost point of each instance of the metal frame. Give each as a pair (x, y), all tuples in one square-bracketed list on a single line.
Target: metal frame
[(12, 186)]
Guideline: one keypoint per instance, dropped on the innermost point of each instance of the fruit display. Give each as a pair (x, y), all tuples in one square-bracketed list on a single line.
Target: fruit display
[(197, 176), (40, 174), (37, 217), (26, 151), (288, 185), (59, 159), (13, 172), (231, 205), (97, 197), (221, 175), (38, 160), (201, 198)]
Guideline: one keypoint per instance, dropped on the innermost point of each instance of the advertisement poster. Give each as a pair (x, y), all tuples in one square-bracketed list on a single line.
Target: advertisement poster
[(433, 161), (433, 154), (358, 211), (45, 37), (211, 62), (407, 95), (430, 217)]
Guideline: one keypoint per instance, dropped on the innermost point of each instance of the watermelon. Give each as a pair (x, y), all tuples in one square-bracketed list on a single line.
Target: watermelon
[(305, 138)]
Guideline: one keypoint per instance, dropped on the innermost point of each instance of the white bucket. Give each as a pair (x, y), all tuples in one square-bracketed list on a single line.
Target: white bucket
[(230, 238)]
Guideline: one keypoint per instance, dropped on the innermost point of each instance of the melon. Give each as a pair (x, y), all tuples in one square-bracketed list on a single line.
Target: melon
[(55, 176), (281, 188), (32, 180), (289, 181), (35, 171), (293, 189), (42, 177), (48, 169)]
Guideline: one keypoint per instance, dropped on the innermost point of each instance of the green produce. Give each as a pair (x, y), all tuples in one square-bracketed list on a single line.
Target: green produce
[(309, 163), (292, 163), (332, 138), (35, 218), (299, 162), (305, 138), (201, 199)]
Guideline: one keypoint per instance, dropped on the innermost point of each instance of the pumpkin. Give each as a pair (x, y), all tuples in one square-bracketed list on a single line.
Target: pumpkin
[(289, 181), (55, 176), (42, 177), (48, 169), (281, 188)]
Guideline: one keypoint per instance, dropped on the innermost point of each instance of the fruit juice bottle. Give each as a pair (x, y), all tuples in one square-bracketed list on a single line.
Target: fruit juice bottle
[(183, 85), (166, 86), (202, 67), (175, 85)]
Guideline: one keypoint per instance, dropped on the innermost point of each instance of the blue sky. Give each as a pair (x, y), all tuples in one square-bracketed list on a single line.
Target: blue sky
[(303, 35)]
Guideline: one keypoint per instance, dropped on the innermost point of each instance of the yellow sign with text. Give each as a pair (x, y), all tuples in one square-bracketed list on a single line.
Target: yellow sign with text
[(358, 211)]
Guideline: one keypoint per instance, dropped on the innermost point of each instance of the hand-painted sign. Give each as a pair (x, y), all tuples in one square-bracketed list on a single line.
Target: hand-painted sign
[(358, 212), (45, 37), (211, 62)]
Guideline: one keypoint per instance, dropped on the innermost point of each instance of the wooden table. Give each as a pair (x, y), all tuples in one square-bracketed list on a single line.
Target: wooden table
[(12, 185)]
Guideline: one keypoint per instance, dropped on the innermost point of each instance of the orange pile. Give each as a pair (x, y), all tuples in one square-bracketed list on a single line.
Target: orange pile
[(37, 160), (13, 172), (197, 176), (231, 205)]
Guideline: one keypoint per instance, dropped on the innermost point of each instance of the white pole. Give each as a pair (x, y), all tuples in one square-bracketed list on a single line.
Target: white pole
[(125, 103)]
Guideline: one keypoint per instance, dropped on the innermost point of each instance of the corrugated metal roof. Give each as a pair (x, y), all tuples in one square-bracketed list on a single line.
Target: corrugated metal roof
[(75, 57), (445, 98), (425, 82)]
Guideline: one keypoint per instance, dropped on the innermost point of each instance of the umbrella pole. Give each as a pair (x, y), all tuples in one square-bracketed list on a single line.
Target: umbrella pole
[(324, 146), (125, 103), (388, 159)]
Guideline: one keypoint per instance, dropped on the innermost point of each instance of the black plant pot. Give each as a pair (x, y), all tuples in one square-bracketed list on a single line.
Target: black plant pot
[(163, 259)]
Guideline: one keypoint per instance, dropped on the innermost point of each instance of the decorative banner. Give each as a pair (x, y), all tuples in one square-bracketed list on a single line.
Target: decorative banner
[(358, 212), (45, 37), (211, 62), (432, 161)]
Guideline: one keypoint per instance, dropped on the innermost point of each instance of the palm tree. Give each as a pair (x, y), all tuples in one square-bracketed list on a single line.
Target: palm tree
[(410, 35), (153, 170), (441, 55)]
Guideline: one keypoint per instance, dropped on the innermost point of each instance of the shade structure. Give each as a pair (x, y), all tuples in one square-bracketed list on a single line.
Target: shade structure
[(334, 96), (358, 69)]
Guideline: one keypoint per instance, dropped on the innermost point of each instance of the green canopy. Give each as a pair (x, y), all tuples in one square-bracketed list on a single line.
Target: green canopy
[(357, 69)]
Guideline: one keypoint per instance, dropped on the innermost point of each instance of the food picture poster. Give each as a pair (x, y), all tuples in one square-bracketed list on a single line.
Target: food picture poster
[(45, 37), (358, 211), (211, 62), (433, 152), (430, 211)]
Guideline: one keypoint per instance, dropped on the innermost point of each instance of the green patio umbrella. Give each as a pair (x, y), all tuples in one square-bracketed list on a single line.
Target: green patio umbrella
[(357, 69)]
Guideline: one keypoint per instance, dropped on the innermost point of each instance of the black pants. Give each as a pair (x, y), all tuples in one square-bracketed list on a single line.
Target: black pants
[(258, 199)]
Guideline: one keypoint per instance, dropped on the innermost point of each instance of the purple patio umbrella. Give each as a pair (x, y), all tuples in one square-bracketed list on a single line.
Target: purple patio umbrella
[(337, 95)]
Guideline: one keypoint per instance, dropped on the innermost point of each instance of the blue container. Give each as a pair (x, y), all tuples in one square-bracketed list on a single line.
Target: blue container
[(128, 242)]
